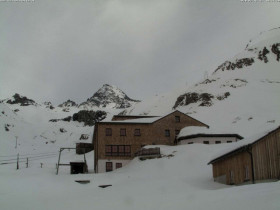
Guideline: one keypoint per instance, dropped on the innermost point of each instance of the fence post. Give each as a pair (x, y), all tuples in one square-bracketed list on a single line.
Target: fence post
[(17, 161), (26, 162)]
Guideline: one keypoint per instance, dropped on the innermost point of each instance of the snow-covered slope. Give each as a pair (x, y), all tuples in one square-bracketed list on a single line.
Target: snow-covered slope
[(181, 179), (44, 127), (241, 95)]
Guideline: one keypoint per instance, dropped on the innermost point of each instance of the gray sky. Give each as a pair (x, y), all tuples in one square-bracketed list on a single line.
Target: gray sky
[(59, 50)]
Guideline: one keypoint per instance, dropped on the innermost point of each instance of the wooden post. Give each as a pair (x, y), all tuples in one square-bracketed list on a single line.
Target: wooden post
[(26, 162), (17, 161), (58, 162)]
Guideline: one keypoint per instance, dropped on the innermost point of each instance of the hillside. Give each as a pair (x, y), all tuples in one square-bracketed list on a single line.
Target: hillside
[(30, 127), (242, 94)]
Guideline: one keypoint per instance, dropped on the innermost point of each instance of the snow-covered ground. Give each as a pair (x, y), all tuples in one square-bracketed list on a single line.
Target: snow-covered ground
[(181, 181)]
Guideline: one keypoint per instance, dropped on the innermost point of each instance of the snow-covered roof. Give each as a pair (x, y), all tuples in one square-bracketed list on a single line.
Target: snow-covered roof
[(241, 144), (193, 131), (139, 120)]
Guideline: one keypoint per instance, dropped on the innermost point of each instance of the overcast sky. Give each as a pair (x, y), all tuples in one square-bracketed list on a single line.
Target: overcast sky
[(59, 50)]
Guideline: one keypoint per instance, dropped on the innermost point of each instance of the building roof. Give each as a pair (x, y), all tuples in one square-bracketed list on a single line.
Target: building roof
[(199, 131), (146, 120), (241, 146)]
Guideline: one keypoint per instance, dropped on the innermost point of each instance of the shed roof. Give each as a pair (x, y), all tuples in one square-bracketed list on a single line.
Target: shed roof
[(199, 131), (242, 145)]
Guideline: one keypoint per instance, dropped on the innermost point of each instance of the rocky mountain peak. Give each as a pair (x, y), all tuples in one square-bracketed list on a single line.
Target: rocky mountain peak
[(109, 96), (68, 103), (21, 100)]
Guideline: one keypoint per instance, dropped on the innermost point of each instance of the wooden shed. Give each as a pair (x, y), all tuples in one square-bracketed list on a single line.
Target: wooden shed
[(257, 161)]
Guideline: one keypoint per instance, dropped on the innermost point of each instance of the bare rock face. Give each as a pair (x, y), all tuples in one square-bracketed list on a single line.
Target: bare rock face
[(275, 48), (89, 117), (262, 55), (21, 100), (238, 64), (188, 98), (109, 96), (68, 103)]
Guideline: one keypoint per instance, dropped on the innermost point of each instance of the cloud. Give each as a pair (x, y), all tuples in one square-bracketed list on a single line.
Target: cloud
[(55, 50)]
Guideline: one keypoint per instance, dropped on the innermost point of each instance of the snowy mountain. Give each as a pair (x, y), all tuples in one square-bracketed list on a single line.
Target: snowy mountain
[(45, 127), (242, 94), (68, 103), (109, 97)]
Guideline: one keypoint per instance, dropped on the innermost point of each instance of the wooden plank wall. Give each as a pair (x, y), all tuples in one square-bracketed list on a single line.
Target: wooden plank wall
[(237, 164), (266, 155)]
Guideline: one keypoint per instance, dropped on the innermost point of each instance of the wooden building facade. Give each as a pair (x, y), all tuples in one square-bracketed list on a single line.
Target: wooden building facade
[(254, 162), (116, 142)]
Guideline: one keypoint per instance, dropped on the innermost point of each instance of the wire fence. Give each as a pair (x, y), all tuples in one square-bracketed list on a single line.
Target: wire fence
[(12, 159)]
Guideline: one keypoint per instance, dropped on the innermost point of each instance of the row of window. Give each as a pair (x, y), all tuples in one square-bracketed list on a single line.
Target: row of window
[(137, 132), (109, 166), (118, 150)]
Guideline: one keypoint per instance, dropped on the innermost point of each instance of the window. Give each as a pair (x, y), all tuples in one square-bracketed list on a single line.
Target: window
[(205, 142), (177, 132), (123, 132), (167, 133), (229, 141), (108, 131), (190, 143), (217, 142), (247, 173), (137, 132), (177, 118), (117, 150), (109, 166), (118, 165)]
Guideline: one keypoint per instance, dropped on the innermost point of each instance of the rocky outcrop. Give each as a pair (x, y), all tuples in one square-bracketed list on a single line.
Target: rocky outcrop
[(109, 96), (238, 64), (48, 105), (89, 117), (189, 98), (262, 55), (68, 103), (21, 100), (276, 50)]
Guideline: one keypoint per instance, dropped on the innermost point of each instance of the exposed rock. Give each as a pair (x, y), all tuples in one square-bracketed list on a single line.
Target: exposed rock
[(239, 63), (7, 127), (89, 117), (188, 98), (16, 110), (68, 103), (276, 50), (222, 97), (22, 100), (62, 130), (262, 55), (49, 105), (109, 96), (65, 110)]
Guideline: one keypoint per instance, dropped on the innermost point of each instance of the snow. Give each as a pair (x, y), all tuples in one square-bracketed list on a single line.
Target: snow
[(139, 120), (250, 140), (165, 183), (193, 130), (180, 180)]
